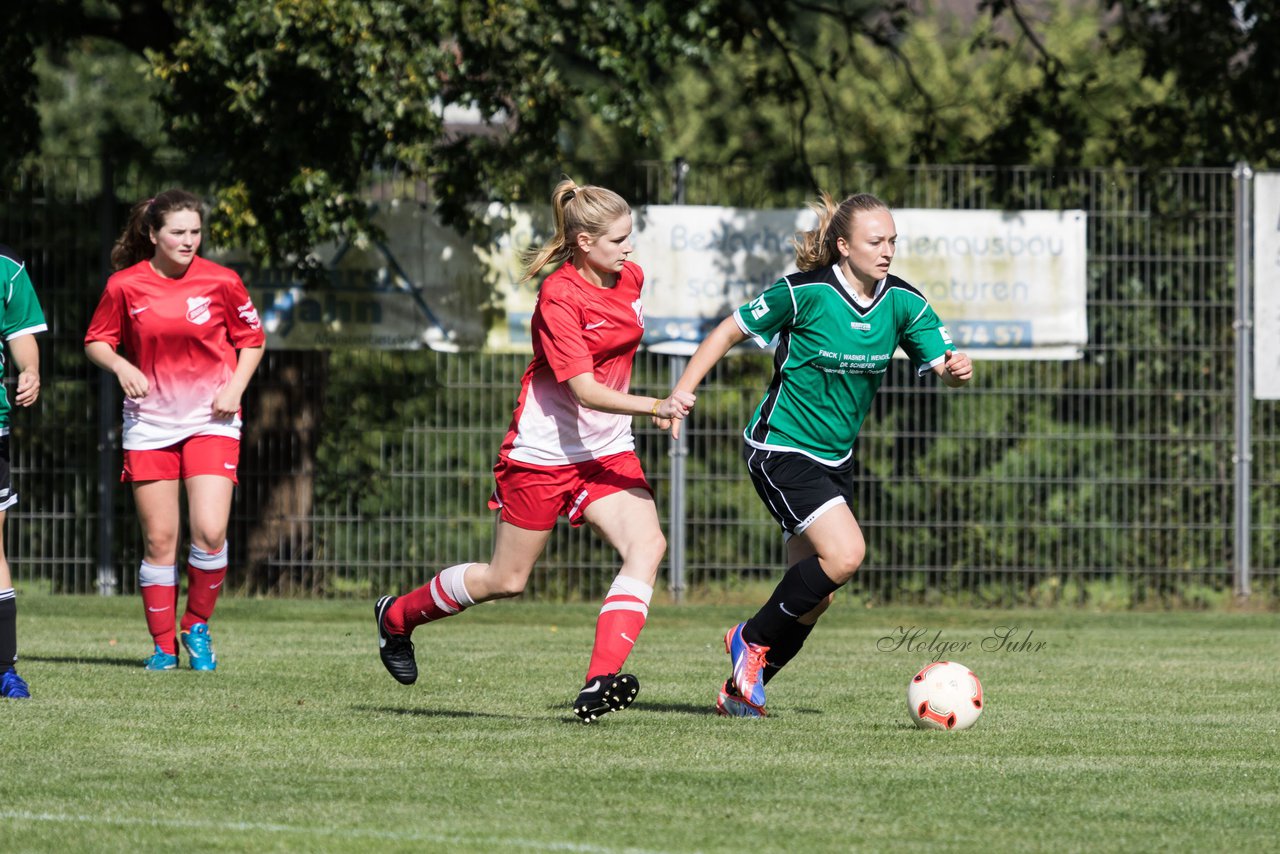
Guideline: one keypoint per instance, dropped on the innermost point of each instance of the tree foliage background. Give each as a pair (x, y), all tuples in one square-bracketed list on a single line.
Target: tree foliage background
[(286, 106), (296, 112)]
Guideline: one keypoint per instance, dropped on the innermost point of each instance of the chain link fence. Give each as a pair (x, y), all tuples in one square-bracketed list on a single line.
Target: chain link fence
[(1106, 480)]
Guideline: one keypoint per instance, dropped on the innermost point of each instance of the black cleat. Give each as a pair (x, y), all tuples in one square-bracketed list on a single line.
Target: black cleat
[(396, 651), (604, 694)]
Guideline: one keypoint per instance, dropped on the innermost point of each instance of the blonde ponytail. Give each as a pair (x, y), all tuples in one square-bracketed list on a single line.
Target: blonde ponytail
[(576, 210), (817, 248)]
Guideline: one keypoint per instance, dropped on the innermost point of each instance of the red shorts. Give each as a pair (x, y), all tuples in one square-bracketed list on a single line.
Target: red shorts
[(533, 497), (192, 456)]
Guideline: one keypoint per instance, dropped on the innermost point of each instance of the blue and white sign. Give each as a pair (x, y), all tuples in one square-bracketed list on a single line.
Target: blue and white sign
[(1008, 285)]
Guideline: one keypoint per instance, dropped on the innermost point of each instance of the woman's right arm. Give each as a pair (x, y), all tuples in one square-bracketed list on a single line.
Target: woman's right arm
[(721, 340), (132, 381)]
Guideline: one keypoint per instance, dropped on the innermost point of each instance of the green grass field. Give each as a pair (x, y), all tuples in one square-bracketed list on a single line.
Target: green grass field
[(1121, 732)]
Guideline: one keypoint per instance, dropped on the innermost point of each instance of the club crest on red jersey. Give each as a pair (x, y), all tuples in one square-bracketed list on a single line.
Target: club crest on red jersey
[(198, 310)]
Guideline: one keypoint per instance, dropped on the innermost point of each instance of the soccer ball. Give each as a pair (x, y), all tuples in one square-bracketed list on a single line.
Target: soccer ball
[(944, 695)]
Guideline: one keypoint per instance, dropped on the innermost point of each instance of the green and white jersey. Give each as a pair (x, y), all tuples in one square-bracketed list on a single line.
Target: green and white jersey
[(20, 314), (832, 353)]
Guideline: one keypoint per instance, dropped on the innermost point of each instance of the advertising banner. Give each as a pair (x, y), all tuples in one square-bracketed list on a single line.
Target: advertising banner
[(1266, 286), (1009, 285)]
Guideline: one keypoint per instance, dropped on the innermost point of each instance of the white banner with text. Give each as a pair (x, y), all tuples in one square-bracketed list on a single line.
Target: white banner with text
[(1266, 286), (1008, 285)]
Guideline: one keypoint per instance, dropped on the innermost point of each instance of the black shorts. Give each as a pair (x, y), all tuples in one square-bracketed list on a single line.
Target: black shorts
[(797, 489), (8, 497)]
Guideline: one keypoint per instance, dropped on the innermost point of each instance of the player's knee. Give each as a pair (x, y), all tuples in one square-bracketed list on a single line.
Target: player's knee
[(652, 549), (842, 565), (208, 548), (508, 588), (504, 585), (161, 547), (211, 540)]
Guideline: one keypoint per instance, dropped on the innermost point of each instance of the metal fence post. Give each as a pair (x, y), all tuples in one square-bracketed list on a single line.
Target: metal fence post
[(679, 452), (108, 410), (679, 484), (1243, 324), (680, 167)]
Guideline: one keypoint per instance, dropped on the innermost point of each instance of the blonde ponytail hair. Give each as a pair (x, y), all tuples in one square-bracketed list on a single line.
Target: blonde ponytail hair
[(817, 248), (577, 210)]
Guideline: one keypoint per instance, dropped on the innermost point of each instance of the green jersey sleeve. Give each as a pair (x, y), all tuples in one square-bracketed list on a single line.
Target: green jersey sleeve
[(768, 314), (22, 313), (925, 340)]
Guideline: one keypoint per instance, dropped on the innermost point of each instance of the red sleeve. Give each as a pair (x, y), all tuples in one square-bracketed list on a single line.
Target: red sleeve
[(559, 335), (105, 325), (243, 325)]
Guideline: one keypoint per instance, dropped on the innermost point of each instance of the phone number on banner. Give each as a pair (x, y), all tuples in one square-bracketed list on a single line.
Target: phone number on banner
[(990, 333)]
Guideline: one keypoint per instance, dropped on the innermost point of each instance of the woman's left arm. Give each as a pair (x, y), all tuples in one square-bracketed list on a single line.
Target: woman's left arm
[(226, 402), (592, 394), (26, 355)]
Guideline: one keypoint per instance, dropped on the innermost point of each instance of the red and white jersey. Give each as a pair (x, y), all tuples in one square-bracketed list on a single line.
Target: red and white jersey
[(183, 335), (577, 328)]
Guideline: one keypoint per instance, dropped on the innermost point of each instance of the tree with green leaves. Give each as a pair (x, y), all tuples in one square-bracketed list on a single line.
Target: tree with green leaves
[(288, 106), (828, 86), (1221, 56)]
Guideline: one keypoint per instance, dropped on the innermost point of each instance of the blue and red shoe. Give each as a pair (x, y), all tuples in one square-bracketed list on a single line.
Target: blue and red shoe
[(730, 705), (748, 666)]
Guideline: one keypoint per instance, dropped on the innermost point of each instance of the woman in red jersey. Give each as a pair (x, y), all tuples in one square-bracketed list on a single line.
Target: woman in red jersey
[(190, 341), (569, 450)]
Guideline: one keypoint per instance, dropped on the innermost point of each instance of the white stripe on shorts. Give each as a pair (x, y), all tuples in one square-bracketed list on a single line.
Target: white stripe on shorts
[(782, 496)]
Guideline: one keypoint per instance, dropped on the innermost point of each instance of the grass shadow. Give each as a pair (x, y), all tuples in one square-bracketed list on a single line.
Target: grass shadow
[(678, 708), (439, 713), (132, 661)]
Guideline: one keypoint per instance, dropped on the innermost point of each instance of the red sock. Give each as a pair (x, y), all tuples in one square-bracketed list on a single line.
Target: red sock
[(159, 588), (626, 607), (205, 574), (442, 596)]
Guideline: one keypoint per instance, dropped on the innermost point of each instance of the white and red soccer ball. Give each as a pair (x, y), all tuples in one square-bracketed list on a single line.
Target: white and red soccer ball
[(944, 695)]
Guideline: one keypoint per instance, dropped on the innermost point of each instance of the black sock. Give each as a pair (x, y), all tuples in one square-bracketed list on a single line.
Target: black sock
[(785, 648), (8, 630), (802, 587)]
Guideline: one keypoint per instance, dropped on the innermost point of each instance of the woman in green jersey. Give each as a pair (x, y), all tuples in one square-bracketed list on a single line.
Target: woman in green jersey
[(20, 319), (836, 325)]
